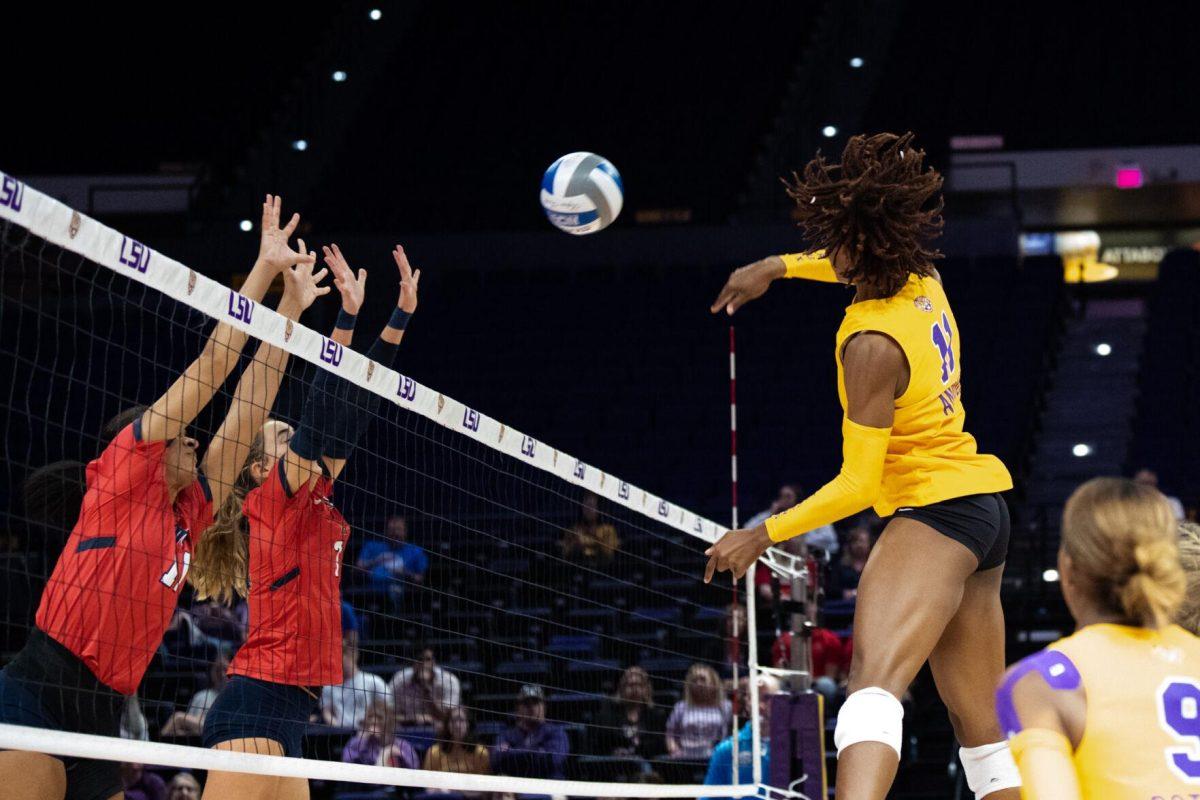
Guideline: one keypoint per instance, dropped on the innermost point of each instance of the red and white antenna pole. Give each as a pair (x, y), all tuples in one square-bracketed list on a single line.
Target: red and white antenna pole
[(735, 634), (749, 588), (733, 458)]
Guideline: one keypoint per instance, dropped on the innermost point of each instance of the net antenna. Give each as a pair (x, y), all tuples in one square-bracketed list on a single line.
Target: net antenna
[(735, 636)]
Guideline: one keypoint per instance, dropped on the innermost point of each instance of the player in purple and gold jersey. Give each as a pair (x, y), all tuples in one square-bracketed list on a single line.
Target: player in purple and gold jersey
[(1113, 711)]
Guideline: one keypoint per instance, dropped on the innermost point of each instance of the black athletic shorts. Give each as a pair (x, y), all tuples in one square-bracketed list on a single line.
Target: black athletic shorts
[(46, 686), (978, 521)]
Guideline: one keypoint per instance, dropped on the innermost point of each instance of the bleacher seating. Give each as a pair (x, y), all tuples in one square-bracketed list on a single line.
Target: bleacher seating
[(1168, 419)]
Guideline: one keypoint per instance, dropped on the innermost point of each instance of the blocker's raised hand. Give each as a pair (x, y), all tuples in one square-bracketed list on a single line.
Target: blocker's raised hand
[(353, 287), (273, 248), (409, 279), (301, 283)]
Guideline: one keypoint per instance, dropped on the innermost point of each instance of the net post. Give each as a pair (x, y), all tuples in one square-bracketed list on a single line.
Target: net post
[(797, 721), (753, 673)]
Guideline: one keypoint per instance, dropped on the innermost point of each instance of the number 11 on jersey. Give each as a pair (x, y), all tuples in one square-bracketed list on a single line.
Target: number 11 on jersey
[(338, 547), (943, 339)]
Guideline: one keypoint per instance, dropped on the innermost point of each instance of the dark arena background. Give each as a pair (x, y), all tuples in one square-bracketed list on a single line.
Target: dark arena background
[(546, 594)]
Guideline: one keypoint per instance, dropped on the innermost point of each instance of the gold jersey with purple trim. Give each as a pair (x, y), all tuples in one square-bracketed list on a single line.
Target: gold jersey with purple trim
[(930, 457), (1141, 736)]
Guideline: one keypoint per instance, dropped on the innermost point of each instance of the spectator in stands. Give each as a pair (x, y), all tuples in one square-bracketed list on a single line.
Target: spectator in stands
[(184, 645), (350, 624), (191, 722), (183, 786), (531, 747), (52, 496), (823, 538), (456, 749), (376, 743), (1149, 477), (345, 705), (425, 692), (720, 766), (393, 561), (830, 661), (590, 540), (735, 621), (219, 621), (629, 724), (764, 578), (849, 571), (141, 784), (1188, 615), (701, 718)]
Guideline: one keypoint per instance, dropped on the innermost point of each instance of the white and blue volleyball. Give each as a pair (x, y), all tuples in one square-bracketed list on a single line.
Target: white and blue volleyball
[(582, 193)]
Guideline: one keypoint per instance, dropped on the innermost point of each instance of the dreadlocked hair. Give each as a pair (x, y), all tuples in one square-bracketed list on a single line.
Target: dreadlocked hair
[(872, 208), (219, 565)]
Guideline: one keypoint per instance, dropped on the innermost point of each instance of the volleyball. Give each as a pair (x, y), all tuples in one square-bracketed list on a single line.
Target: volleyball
[(582, 193)]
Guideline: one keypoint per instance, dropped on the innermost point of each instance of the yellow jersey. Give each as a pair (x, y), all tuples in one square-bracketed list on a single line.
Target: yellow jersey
[(930, 457), (1141, 737)]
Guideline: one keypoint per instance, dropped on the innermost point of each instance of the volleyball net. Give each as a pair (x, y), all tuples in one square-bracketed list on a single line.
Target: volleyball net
[(512, 619)]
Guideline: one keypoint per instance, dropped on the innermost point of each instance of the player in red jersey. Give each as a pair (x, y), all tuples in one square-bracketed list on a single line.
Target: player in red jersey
[(114, 589), (296, 539)]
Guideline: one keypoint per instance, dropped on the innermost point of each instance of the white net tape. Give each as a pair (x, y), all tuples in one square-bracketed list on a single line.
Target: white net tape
[(172, 755)]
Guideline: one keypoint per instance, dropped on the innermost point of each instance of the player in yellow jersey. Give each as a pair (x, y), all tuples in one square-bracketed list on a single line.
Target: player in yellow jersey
[(1112, 712), (931, 587)]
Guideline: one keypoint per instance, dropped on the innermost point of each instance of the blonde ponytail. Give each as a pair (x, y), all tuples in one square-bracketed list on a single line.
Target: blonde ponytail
[(1188, 615), (220, 565), (1121, 539), (1156, 587)]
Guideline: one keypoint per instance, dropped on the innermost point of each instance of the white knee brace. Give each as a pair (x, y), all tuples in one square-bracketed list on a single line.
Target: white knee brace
[(870, 715), (989, 768)]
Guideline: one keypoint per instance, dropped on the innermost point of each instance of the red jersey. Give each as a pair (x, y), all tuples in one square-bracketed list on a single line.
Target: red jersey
[(827, 649), (296, 546), (115, 587)]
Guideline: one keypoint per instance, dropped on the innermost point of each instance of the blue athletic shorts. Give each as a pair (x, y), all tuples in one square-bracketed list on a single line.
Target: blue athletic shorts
[(248, 708)]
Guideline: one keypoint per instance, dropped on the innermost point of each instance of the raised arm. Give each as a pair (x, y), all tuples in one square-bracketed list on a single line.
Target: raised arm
[(353, 290), (337, 411), (170, 414), (752, 281), (874, 371), (259, 384)]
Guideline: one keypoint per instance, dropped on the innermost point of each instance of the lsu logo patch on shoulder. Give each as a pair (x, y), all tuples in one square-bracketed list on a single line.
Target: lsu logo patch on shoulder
[(1056, 669), (923, 303)]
